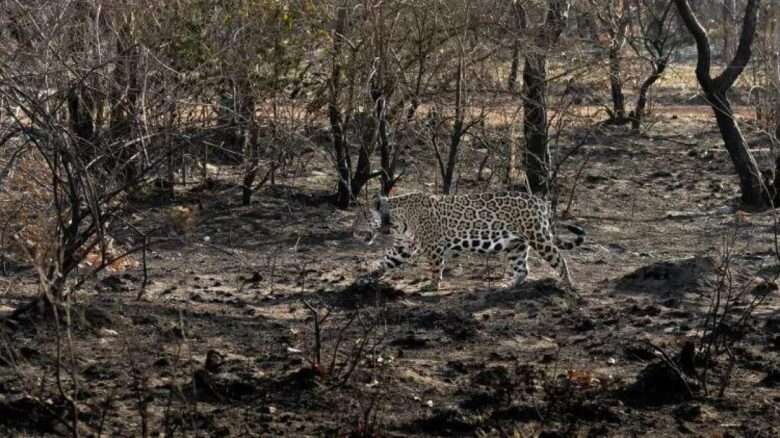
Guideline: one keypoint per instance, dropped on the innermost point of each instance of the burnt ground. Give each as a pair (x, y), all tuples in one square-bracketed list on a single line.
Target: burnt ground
[(223, 341)]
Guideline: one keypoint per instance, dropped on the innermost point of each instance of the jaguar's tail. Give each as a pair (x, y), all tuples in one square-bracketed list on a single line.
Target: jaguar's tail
[(569, 244)]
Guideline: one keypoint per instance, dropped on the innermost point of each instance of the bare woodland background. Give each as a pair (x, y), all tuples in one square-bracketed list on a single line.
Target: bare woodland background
[(112, 112)]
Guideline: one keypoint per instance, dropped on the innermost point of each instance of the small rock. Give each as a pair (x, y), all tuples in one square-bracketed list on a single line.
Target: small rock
[(775, 342), (764, 288), (661, 174), (111, 283), (411, 341), (496, 376), (687, 411), (255, 278), (214, 361), (659, 383), (773, 324), (772, 378), (584, 325)]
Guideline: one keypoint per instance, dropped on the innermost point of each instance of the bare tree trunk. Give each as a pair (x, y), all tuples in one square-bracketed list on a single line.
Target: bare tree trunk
[(616, 85), (537, 153), (381, 92), (754, 194), (514, 67), (362, 170), (641, 101), (774, 37), (343, 165), (249, 138), (124, 97), (457, 132)]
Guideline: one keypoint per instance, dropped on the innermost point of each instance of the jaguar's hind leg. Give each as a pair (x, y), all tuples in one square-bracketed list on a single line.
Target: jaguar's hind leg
[(547, 249), (554, 257), (518, 257)]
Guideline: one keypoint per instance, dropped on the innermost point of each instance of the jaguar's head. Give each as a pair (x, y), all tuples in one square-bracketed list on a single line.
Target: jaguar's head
[(372, 219)]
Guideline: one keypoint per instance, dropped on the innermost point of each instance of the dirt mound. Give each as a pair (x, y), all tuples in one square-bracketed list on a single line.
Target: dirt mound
[(363, 293), (545, 291), (30, 414), (456, 324), (694, 273), (660, 383), (449, 421)]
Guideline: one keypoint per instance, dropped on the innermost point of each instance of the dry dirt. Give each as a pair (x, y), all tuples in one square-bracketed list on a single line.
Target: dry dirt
[(223, 341)]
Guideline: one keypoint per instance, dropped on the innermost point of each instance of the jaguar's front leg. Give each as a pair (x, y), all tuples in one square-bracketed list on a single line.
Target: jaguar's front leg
[(436, 261), (394, 257)]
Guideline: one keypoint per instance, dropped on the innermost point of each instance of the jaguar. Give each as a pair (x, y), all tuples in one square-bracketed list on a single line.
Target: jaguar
[(439, 227)]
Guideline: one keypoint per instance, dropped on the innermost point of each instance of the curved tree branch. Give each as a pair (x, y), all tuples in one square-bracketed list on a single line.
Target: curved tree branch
[(704, 59), (726, 79)]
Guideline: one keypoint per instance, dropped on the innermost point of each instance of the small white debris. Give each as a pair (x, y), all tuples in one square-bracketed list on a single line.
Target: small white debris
[(429, 403), (206, 239), (108, 332), (612, 361), (373, 383), (292, 350)]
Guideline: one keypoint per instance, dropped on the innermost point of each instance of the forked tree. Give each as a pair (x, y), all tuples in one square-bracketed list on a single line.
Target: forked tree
[(754, 192)]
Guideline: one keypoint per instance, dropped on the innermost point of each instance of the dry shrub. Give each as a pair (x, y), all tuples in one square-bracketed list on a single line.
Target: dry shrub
[(182, 219), (28, 217)]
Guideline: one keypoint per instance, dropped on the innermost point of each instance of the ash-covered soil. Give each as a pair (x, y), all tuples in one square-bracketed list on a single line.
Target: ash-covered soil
[(223, 340)]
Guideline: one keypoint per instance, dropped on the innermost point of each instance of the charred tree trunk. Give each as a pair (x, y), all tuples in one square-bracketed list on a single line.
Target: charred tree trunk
[(644, 89), (382, 89), (536, 155), (514, 67), (250, 139), (124, 98), (340, 151), (388, 155), (754, 193), (362, 170), (448, 170), (616, 86), (774, 36)]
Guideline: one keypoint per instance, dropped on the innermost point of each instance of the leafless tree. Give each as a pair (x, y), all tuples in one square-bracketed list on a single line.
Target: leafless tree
[(655, 41), (614, 17), (545, 35), (754, 191)]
